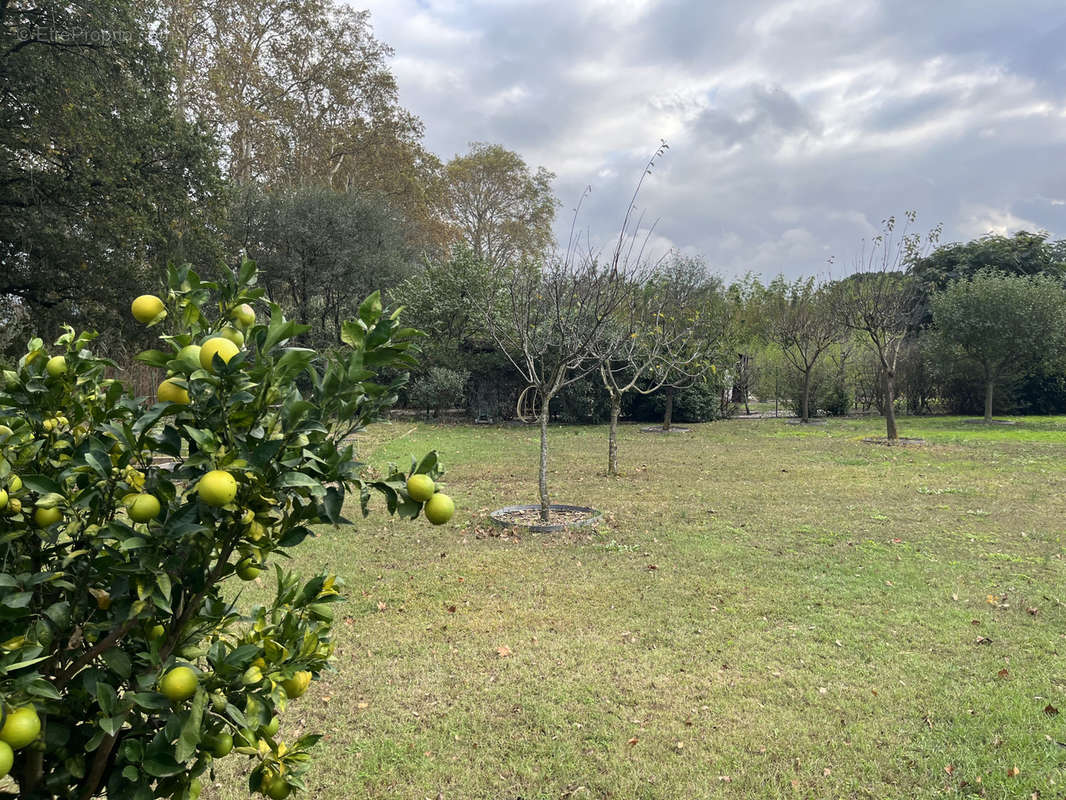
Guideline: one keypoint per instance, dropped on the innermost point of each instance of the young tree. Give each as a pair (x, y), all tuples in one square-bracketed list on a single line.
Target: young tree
[(803, 322), (1004, 325), (658, 337), (881, 300), (126, 667)]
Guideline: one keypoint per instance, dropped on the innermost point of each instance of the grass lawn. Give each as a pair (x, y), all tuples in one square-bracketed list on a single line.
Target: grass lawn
[(769, 611)]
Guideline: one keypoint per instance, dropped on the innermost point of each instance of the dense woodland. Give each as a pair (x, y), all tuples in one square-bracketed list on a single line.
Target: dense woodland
[(187, 131)]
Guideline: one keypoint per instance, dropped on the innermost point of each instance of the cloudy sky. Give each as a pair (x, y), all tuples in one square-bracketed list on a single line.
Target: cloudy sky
[(794, 127)]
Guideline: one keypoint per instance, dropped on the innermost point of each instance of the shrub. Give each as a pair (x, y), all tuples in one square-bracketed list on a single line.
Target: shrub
[(438, 389)]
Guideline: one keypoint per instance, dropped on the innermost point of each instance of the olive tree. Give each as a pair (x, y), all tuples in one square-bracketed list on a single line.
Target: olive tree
[(1001, 324), (127, 669)]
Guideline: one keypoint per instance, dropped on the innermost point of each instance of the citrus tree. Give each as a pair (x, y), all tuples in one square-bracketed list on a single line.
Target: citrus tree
[(127, 663)]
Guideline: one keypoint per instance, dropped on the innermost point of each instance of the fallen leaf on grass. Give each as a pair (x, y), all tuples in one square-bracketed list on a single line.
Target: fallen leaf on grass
[(1004, 673), (725, 779), (504, 651), (1033, 611), (950, 768), (652, 567), (983, 640), (381, 606), (827, 772), (633, 741), (1013, 772), (362, 705), (451, 609), (1050, 710)]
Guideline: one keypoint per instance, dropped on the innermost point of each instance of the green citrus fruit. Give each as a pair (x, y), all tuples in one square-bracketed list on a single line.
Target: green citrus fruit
[(439, 509), (218, 744), (14, 483), (275, 787), (244, 315), (5, 433), (420, 488), (247, 569), (170, 392), (179, 684), (7, 758), (271, 727), (15, 505), (217, 488), (3, 499), (43, 517), (21, 727), (147, 307), (217, 344), (142, 508), (56, 366), (234, 335), (189, 356), (297, 684), (156, 632)]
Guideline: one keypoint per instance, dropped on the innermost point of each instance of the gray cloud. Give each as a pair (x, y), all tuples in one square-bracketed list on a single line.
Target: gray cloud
[(794, 126)]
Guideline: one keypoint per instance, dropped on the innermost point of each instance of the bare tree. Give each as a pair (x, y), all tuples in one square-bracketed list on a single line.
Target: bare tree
[(881, 299), (659, 336), (804, 324), (548, 318)]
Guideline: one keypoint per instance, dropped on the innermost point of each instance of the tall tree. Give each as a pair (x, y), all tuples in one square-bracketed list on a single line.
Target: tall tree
[(804, 323), (882, 302), (300, 93), (101, 182), (1004, 325), (502, 210)]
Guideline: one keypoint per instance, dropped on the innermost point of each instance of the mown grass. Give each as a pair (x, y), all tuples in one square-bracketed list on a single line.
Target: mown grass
[(770, 611)]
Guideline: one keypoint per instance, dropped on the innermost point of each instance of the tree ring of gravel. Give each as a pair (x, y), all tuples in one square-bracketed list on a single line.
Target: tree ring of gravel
[(659, 429), (527, 518), (902, 441), (811, 421), (990, 422)]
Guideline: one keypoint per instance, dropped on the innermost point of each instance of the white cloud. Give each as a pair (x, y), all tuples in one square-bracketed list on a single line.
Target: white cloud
[(794, 125)]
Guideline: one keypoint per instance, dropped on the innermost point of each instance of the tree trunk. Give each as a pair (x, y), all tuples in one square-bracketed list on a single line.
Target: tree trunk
[(612, 436), (805, 417), (668, 413), (543, 478), (888, 384), (988, 400)]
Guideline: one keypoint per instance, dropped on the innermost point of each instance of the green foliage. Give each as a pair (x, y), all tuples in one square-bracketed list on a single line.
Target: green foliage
[(95, 608), (103, 182), (320, 251), (1001, 325), (438, 389)]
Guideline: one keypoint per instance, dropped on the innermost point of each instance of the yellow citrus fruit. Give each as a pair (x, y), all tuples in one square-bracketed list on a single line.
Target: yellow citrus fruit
[(179, 684), (420, 488), (244, 315), (15, 505), (56, 366), (14, 483), (7, 758), (297, 684), (43, 517), (147, 307), (247, 569), (3, 499), (216, 344), (234, 335), (439, 509), (170, 392), (143, 507), (21, 727), (217, 488)]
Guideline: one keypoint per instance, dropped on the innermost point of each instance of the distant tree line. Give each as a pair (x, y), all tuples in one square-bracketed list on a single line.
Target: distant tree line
[(275, 128)]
